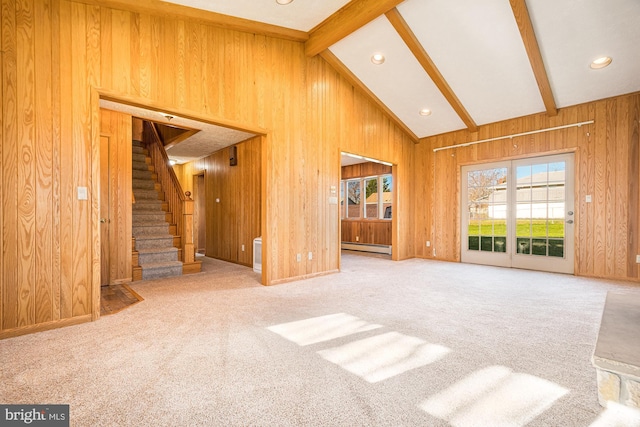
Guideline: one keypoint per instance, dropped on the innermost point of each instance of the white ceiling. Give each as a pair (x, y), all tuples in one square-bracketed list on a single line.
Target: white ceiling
[(477, 47), (209, 139)]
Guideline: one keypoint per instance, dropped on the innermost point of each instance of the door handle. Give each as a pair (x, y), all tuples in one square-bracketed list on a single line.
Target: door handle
[(103, 220), (569, 221)]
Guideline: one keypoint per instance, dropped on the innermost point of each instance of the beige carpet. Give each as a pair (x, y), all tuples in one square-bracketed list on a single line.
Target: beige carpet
[(382, 343)]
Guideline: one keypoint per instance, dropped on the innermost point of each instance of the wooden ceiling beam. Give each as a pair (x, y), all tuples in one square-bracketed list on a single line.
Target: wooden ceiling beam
[(342, 69), (164, 9), (351, 17), (525, 26), (412, 42)]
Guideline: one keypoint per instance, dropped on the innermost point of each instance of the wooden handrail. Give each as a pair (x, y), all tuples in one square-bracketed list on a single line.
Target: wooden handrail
[(180, 204)]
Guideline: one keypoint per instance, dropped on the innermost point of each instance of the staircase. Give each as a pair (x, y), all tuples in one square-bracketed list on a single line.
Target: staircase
[(155, 254)]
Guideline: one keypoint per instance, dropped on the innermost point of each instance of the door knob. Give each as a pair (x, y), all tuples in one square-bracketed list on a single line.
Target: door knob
[(103, 220)]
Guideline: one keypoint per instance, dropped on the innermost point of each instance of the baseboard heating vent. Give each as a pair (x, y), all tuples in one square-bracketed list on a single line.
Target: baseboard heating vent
[(257, 254), (366, 247)]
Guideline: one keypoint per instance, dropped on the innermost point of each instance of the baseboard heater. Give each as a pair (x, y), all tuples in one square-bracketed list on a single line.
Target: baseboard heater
[(366, 247), (257, 254)]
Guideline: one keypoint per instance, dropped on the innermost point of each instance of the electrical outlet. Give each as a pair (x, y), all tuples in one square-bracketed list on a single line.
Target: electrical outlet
[(242, 248), (637, 259), (357, 238), (310, 255), (298, 257), (428, 243)]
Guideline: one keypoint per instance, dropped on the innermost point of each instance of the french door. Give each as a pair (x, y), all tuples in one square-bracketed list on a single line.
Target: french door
[(519, 213)]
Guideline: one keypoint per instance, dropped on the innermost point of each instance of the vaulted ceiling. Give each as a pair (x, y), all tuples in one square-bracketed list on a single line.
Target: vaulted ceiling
[(468, 62)]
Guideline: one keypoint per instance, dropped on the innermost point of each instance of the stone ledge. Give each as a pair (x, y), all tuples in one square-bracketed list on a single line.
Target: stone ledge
[(617, 353)]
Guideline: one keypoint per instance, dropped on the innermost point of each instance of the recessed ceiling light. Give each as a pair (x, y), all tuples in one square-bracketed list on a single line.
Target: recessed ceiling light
[(172, 162), (601, 62), (283, 1), (377, 58), (425, 112)]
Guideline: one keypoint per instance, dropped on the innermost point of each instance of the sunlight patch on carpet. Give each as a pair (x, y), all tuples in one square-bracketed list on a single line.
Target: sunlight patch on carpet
[(494, 396), (384, 356), (323, 328), (617, 415)]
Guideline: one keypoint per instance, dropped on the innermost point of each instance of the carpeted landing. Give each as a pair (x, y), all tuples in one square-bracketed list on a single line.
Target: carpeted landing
[(382, 343)]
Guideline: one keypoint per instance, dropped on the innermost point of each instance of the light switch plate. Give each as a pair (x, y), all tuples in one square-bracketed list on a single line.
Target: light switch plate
[(83, 194)]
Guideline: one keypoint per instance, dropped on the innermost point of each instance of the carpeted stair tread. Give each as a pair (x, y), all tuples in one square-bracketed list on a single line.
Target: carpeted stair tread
[(154, 242), (153, 256), (149, 217), (143, 184), (141, 222), (158, 250), (145, 230), (141, 174), (161, 269), (138, 158), (147, 205), (146, 194)]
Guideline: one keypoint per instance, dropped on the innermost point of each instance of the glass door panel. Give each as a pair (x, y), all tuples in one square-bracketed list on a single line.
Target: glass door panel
[(485, 214), (544, 213)]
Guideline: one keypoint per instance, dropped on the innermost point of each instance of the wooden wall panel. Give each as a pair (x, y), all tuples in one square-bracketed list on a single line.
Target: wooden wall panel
[(25, 89), (9, 168), (607, 163), (362, 170), (376, 232), (44, 164), (234, 220)]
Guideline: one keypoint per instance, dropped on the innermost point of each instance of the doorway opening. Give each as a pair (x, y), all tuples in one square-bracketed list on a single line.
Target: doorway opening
[(366, 206)]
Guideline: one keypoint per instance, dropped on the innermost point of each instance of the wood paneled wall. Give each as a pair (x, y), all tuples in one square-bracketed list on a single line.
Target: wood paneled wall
[(373, 231), (59, 55), (607, 156), (117, 162), (232, 200)]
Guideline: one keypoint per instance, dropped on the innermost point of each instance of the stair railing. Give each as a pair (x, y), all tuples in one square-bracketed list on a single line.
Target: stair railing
[(180, 204)]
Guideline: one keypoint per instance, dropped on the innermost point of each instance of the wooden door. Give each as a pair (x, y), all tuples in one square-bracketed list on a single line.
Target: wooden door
[(115, 197)]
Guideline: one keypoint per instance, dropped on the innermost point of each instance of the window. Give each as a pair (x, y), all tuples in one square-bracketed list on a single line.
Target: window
[(353, 198), (377, 204), (371, 202)]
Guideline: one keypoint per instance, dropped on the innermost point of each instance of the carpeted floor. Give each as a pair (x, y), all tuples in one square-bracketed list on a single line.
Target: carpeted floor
[(382, 343)]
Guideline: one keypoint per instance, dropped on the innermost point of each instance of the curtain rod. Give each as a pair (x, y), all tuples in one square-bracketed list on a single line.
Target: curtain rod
[(466, 144)]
